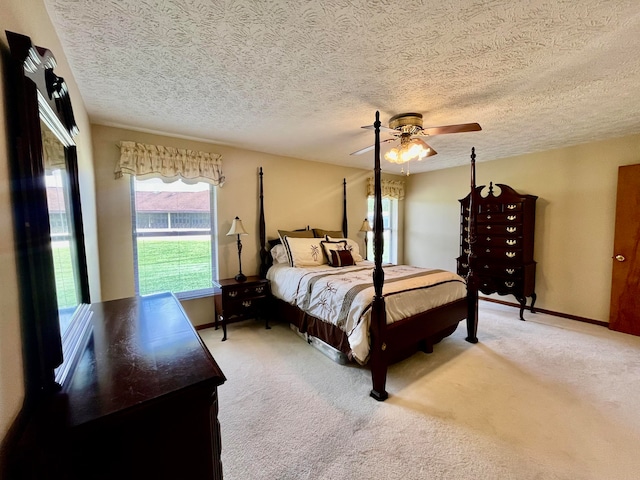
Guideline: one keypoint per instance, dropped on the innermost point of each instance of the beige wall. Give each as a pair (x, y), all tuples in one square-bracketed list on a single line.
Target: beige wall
[(575, 215), (297, 194), (30, 18)]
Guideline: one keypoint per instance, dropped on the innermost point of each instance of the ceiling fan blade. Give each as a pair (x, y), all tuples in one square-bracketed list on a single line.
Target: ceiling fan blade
[(464, 127), (382, 129), (431, 150), (371, 147), (363, 150)]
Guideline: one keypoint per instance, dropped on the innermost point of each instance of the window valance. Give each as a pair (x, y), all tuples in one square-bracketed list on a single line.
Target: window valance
[(53, 154), (170, 163), (390, 188)]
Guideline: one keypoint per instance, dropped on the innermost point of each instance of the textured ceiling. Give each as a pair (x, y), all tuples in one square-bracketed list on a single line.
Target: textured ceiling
[(298, 78)]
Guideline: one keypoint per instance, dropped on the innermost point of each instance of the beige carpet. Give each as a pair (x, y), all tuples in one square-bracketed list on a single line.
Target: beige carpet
[(548, 398)]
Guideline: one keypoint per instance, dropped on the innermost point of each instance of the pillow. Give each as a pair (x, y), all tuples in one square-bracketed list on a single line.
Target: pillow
[(320, 233), (295, 234), (279, 254), (304, 252), (328, 246), (352, 246), (341, 258)]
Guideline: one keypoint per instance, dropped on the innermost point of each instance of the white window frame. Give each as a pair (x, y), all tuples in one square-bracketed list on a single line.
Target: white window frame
[(183, 295), (390, 250)]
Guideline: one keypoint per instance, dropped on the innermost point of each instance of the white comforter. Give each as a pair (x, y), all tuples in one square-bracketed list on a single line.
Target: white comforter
[(343, 296)]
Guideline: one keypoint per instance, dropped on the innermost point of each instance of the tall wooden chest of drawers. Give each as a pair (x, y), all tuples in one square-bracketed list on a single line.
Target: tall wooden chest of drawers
[(504, 243)]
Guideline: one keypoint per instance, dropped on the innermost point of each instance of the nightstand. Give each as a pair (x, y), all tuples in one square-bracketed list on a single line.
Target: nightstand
[(235, 301)]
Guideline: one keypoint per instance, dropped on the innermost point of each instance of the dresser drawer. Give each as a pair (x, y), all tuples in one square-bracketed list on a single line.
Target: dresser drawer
[(494, 241), (512, 217), (490, 208), (498, 229), (488, 285), (500, 271), (511, 255)]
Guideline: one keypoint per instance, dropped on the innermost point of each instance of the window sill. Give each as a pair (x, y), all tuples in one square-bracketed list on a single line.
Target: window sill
[(209, 292)]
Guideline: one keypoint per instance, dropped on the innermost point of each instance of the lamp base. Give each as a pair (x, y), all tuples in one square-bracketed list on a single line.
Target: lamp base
[(240, 277)]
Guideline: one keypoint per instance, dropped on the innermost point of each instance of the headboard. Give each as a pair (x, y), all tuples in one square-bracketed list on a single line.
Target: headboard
[(265, 257)]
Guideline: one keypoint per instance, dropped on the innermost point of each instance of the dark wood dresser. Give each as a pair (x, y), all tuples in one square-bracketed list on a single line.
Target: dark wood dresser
[(142, 402), (504, 246)]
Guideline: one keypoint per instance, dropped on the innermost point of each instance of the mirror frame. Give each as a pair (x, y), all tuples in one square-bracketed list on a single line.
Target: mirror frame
[(38, 94)]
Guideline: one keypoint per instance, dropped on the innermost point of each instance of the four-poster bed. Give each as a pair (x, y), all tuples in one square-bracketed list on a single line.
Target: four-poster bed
[(387, 339)]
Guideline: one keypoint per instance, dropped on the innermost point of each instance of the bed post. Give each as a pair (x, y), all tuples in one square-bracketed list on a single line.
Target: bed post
[(378, 311), (263, 233), (344, 207), (472, 281)]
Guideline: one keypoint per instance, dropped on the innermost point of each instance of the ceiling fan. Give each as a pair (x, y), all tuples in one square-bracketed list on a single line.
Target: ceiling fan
[(407, 127)]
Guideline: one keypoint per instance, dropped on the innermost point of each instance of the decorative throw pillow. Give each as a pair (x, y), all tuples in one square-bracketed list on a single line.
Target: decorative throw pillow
[(352, 246), (304, 252), (295, 234), (320, 233), (341, 258), (328, 246)]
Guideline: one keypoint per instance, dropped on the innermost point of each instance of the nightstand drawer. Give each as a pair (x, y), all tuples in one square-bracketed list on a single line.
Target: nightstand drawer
[(245, 291)]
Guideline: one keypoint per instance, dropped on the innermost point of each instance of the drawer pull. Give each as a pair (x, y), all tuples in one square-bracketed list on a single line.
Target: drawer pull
[(487, 266), (512, 206), (466, 251), (509, 284), (233, 293), (246, 303), (488, 239), (510, 254), (259, 289), (510, 271), (488, 250), (465, 265), (511, 217), (466, 219), (466, 229), (511, 229), (488, 227), (488, 217), (511, 242)]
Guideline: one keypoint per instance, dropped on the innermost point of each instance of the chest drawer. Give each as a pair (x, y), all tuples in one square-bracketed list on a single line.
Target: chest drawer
[(509, 255), (502, 271), (512, 217), (494, 241), (498, 229), (488, 285)]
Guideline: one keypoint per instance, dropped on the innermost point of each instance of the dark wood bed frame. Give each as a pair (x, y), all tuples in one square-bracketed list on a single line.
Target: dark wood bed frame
[(392, 342)]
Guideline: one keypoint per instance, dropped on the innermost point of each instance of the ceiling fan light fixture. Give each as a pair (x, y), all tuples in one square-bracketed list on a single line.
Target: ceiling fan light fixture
[(414, 149)]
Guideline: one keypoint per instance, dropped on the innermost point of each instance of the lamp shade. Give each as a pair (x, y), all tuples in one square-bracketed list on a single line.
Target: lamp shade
[(366, 226), (237, 228)]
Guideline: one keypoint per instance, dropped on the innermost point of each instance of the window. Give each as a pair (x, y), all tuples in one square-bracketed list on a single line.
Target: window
[(390, 233), (173, 238), (65, 264)]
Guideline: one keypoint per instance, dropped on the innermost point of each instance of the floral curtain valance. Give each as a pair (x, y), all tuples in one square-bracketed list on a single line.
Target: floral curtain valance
[(170, 163), (390, 188), (53, 154)]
